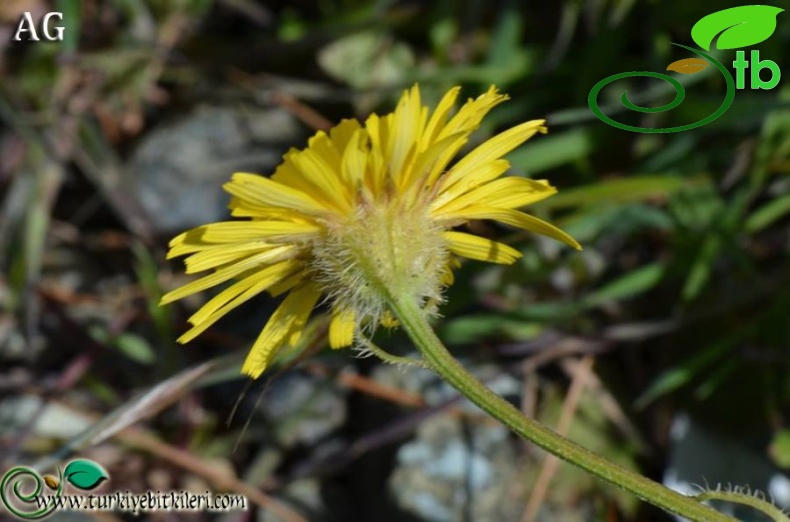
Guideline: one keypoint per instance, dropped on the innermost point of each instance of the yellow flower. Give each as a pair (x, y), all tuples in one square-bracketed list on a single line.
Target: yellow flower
[(363, 212)]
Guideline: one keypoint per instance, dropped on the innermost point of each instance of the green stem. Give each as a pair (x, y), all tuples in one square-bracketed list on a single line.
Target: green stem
[(388, 357), (413, 320)]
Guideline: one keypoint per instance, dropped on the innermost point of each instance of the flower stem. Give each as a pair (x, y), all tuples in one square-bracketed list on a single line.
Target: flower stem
[(413, 320)]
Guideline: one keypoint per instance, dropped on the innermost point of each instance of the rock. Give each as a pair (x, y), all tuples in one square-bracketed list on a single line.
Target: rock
[(179, 168), (435, 391), (303, 409), (702, 458), (54, 421), (306, 494), (456, 467), (455, 470)]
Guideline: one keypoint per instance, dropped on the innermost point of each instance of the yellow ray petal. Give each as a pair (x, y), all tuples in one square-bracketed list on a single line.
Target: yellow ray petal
[(238, 231), (342, 133), (421, 126), (510, 192), (258, 281), (431, 162), (486, 173), (264, 191), (190, 236), (223, 274), (292, 313), (519, 220), (323, 145), (492, 149), (211, 236), (233, 296), (404, 136), (315, 171), (326, 183), (355, 159), (470, 114), (341, 328), (439, 117), (378, 131), (287, 174), (217, 255), (480, 248), (287, 283), (188, 243), (228, 232), (240, 208)]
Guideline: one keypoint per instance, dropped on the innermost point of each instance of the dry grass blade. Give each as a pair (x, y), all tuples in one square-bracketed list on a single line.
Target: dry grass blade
[(100, 164), (290, 103), (144, 406), (118, 425), (146, 441), (370, 387), (581, 375), (221, 480)]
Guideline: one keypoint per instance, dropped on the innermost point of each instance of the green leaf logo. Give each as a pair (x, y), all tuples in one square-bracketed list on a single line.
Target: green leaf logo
[(85, 474), (739, 26)]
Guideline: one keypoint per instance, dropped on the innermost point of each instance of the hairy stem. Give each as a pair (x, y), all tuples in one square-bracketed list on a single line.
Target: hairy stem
[(413, 320)]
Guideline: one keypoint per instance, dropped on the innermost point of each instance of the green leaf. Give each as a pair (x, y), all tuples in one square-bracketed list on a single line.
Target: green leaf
[(475, 328), (135, 348), (147, 272), (72, 18), (700, 271), (507, 57), (682, 374), (633, 188), (85, 474), (780, 449), (717, 378), (632, 284), (739, 26), (697, 208), (767, 214), (552, 151), (367, 60)]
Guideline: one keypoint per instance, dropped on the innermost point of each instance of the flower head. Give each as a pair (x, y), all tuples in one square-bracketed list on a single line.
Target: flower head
[(363, 212)]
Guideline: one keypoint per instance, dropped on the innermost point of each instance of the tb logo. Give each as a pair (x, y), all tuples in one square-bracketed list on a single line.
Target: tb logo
[(741, 64), (733, 28), (27, 25)]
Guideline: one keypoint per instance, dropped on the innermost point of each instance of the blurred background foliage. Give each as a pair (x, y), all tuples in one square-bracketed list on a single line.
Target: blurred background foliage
[(671, 325)]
